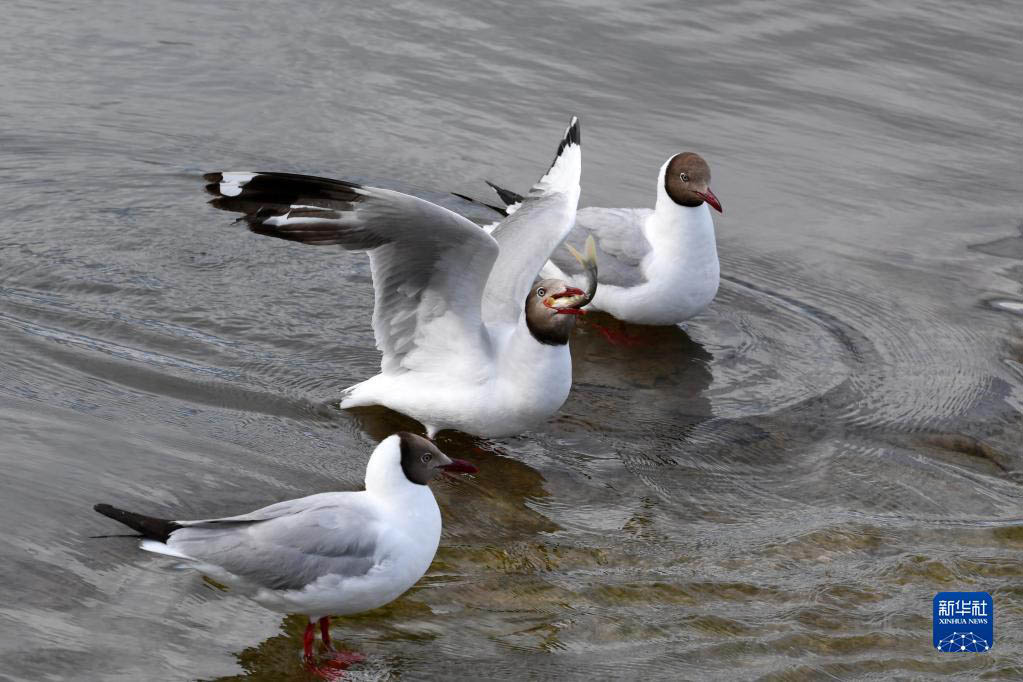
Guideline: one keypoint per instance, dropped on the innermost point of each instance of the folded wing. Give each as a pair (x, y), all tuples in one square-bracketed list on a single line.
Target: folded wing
[(621, 245), (430, 266), (288, 545)]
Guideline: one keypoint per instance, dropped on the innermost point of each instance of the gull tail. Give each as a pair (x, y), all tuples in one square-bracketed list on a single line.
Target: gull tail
[(496, 209), (512, 202), (360, 394), (150, 527), (509, 197)]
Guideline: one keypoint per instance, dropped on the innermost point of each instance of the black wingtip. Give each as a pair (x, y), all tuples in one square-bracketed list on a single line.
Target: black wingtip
[(574, 135), (213, 183)]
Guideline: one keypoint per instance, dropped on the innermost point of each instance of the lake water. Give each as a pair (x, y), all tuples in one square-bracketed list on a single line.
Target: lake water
[(775, 493)]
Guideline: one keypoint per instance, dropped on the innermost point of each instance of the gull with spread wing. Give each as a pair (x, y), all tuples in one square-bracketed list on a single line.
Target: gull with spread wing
[(470, 340)]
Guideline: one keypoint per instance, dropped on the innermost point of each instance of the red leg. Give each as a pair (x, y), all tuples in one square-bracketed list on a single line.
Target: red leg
[(308, 639), (325, 631), (327, 665), (617, 337)]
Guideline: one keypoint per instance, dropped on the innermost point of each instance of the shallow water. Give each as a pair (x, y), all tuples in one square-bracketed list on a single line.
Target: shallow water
[(776, 492)]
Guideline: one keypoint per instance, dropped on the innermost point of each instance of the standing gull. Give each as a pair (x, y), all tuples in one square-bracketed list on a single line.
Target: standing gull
[(469, 340), (332, 553), (659, 266)]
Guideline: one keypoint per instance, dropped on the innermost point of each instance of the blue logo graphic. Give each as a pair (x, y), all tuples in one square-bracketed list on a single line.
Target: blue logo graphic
[(964, 622)]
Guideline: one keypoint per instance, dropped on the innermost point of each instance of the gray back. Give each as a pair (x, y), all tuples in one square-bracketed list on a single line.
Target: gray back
[(621, 245)]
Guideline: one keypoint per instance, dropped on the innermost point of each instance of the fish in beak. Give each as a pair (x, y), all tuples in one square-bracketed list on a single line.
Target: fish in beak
[(587, 259), (567, 302)]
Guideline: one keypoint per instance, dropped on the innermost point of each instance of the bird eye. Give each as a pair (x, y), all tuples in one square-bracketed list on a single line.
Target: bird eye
[(426, 457), (684, 176), (541, 292)]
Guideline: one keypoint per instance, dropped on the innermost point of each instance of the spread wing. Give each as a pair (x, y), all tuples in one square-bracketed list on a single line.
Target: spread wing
[(430, 266), (288, 545), (621, 244), (617, 232), (530, 233)]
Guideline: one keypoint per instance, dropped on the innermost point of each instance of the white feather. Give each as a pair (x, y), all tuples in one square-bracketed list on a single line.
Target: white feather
[(231, 183), (676, 279)]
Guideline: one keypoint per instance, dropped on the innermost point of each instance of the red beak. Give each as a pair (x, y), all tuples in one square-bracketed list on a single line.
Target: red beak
[(709, 197), (570, 291), (461, 466)]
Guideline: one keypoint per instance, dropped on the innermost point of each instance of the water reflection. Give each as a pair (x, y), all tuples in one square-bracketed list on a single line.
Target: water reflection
[(661, 358), (279, 657)]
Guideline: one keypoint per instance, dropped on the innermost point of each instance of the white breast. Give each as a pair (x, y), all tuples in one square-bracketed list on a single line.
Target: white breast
[(534, 379), (682, 271)]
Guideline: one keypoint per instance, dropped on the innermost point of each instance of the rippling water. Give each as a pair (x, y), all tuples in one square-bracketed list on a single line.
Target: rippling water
[(776, 492)]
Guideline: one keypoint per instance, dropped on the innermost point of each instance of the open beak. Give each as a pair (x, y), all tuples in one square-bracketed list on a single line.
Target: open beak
[(578, 298), (460, 466), (709, 197)]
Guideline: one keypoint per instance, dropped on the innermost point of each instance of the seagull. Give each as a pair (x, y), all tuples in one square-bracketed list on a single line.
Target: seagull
[(657, 267), (469, 340), (332, 553)]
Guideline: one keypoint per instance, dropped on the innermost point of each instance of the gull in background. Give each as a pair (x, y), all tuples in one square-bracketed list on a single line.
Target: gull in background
[(657, 266), (327, 554), (470, 340)]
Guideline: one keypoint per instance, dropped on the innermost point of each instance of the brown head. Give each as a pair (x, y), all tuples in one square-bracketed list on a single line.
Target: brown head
[(421, 460), (687, 181), (551, 308)]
